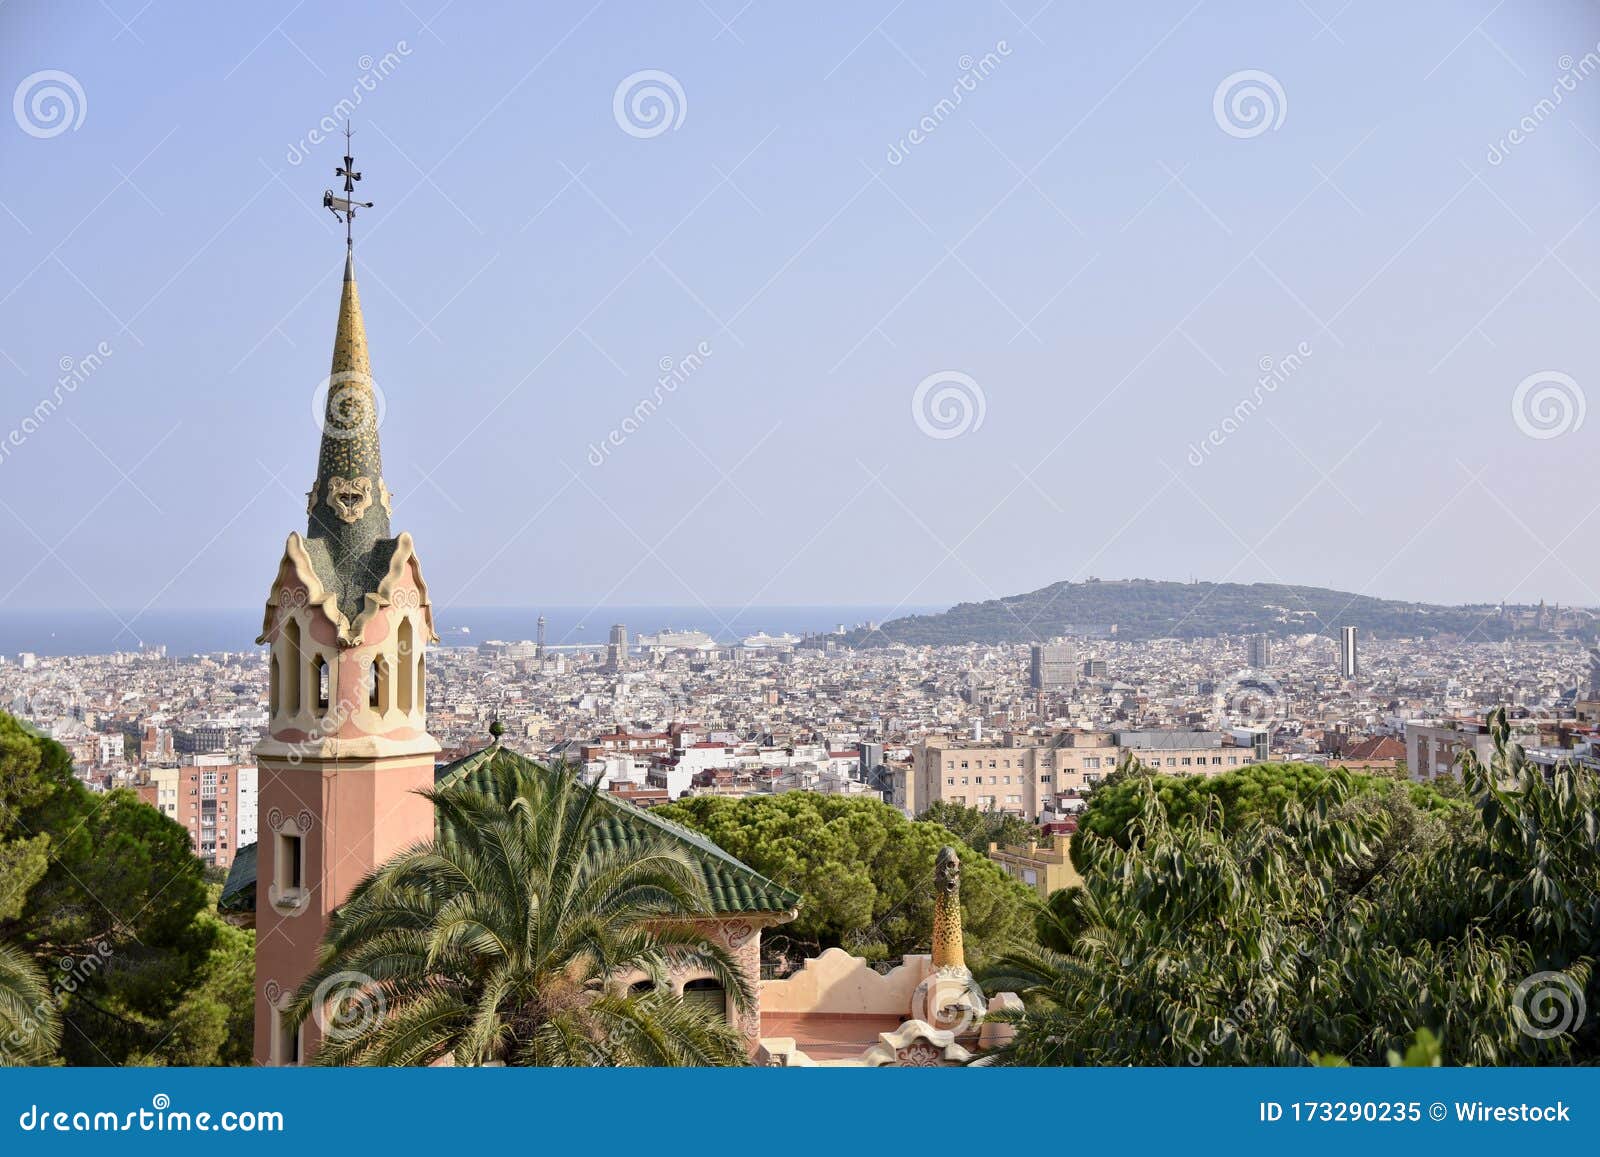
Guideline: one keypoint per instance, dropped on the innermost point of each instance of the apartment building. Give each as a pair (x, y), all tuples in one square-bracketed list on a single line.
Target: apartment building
[(214, 801), (1434, 745), (1046, 868), (1024, 774)]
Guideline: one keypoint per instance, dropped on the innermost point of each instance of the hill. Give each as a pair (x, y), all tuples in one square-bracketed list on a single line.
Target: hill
[(1146, 609)]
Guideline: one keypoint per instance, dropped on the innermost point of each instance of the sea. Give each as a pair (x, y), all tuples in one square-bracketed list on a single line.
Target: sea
[(204, 632)]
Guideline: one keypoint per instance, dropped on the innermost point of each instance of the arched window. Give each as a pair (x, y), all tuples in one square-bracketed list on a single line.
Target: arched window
[(708, 994), (377, 690), (407, 663), (274, 704), (640, 987), (321, 680), (291, 668), (422, 688)]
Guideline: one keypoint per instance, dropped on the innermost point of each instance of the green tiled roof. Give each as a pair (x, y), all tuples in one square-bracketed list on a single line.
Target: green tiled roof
[(239, 892), (734, 887)]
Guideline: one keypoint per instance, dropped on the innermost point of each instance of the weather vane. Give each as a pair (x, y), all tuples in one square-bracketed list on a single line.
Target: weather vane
[(344, 208)]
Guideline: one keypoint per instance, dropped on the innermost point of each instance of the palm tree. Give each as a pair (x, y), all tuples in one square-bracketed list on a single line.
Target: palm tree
[(30, 1027), (509, 939)]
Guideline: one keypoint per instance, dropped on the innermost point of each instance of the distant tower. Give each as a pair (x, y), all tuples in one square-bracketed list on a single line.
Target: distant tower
[(538, 650), (1349, 666), (347, 746), (1052, 666), (617, 648), (1260, 652)]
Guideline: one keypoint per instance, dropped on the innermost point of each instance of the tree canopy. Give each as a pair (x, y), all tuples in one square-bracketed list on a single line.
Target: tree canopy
[(979, 827), (1351, 923), (106, 895), (864, 870), (1253, 792)]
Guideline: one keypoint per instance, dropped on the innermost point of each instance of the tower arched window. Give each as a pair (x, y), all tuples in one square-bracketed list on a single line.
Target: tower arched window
[(378, 699), (422, 683), (274, 703), (291, 668), (407, 661), (322, 680)]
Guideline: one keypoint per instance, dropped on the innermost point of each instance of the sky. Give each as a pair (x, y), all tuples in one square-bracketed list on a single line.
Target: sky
[(962, 299)]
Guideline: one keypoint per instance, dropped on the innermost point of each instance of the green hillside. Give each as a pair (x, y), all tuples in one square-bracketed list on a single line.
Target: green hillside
[(1146, 609)]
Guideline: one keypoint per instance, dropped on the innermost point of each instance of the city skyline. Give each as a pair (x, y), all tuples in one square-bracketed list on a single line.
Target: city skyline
[(540, 249)]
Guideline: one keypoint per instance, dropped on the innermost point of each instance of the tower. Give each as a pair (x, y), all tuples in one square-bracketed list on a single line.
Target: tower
[(1260, 651), (617, 648), (347, 747), (1349, 666), (538, 651)]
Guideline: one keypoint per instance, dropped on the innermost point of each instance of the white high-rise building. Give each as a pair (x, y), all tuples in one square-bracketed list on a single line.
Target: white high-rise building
[(1349, 666)]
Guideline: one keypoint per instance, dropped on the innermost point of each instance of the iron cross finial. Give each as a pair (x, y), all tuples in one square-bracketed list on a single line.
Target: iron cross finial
[(344, 208)]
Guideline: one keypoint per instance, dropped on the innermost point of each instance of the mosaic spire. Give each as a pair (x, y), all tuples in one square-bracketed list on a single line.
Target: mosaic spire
[(348, 505)]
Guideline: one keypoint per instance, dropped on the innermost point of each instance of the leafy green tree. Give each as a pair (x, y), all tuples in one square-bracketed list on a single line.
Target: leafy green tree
[(1249, 793), (864, 870), (978, 828), (107, 896), (506, 939), (1350, 922)]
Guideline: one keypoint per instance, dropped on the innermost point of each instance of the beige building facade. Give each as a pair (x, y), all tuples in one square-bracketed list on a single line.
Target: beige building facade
[(1024, 774)]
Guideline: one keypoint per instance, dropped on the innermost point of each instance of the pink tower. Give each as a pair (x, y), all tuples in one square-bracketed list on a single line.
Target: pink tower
[(347, 748)]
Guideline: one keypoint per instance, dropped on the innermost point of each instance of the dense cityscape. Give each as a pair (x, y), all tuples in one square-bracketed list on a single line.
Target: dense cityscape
[(673, 714)]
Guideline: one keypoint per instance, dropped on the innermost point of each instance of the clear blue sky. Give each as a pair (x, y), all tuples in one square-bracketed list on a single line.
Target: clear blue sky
[(1081, 237)]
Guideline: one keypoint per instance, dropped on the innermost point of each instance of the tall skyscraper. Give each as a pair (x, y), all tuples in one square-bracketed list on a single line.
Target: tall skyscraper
[(1052, 666), (347, 750), (1260, 656), (617, 648), (1349, 666), (539, 645)]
